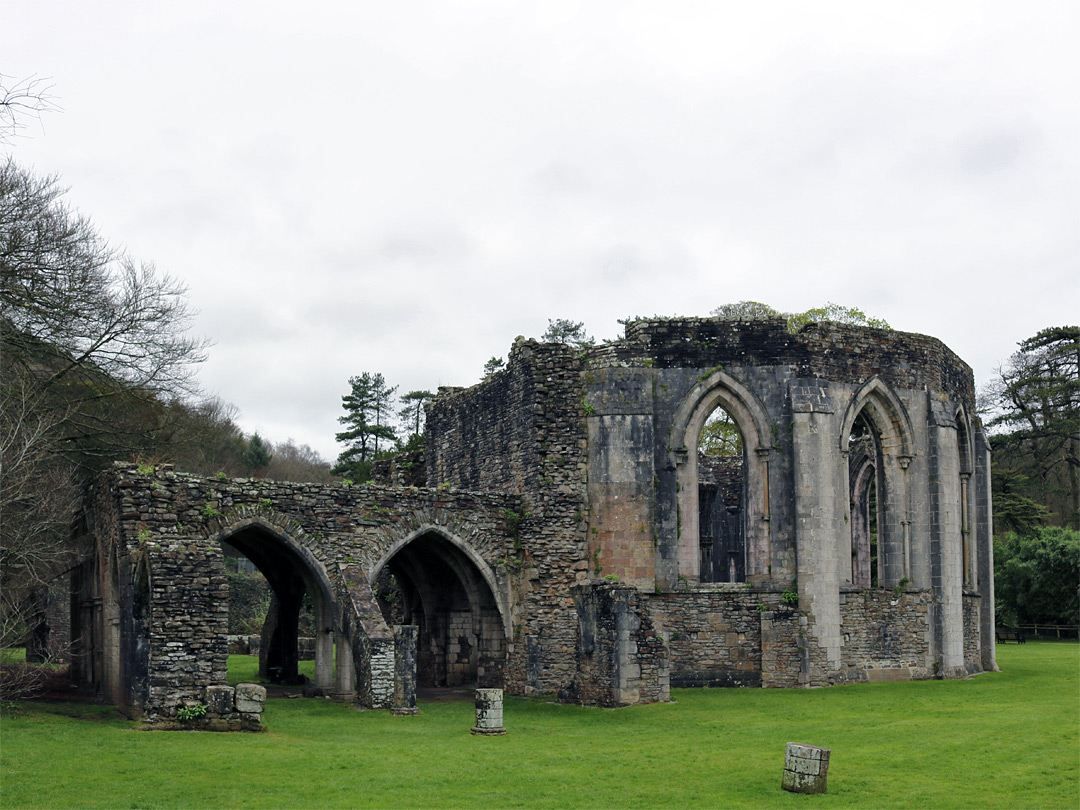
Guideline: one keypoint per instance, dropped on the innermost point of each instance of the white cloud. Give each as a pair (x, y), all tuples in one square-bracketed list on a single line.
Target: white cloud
[(362, 186)]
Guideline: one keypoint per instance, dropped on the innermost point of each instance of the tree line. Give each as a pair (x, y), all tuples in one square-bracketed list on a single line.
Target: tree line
[(1032, 412)]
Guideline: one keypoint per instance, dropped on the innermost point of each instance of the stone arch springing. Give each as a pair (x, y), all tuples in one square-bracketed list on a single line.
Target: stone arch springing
[(434, 580), (720, 390), (291, 571), (876, 443), (138, 650)]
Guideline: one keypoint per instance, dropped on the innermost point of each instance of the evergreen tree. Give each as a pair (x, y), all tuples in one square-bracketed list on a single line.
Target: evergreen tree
[(1036, 576), (367, 412), (1035, 422), (257, 455), (412, 417), (562, 330), (493, 365)]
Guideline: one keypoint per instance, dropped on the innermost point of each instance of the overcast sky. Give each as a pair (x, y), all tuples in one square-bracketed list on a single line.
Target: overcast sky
[(405, 187)]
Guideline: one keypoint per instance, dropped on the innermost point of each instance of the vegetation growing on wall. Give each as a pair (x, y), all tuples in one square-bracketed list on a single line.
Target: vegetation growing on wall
[(834, 313)]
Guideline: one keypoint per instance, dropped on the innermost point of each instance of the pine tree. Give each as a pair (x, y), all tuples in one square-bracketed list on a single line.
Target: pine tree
[(412, 417), (1035, 427), (367, 412), (257, 455), (562, 330), (493, 365)]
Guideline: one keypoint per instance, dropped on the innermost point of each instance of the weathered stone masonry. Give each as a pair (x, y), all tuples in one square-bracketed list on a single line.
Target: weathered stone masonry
[(570, 538)]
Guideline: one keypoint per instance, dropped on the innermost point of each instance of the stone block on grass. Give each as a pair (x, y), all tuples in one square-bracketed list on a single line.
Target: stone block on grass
[(250, 698), (806, 768)]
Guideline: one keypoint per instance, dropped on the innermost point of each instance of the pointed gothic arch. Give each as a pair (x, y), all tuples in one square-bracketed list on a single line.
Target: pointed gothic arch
[(888, 414), (445, 588), (291, 570), (719, 389), (878, 488)]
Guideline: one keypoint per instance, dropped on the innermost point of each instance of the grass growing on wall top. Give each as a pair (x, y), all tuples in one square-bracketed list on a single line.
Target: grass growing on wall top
[(1008, 739)]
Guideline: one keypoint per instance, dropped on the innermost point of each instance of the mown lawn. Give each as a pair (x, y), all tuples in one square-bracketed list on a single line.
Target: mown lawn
[(1008, 740)]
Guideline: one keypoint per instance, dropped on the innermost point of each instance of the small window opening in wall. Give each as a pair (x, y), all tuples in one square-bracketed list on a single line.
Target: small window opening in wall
[(721, 496), (863, 454)]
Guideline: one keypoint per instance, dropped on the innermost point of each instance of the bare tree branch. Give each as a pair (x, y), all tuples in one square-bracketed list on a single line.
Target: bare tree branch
[(22, 99)]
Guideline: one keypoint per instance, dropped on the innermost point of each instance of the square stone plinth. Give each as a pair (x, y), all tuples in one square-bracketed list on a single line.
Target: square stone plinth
[(806, 768)]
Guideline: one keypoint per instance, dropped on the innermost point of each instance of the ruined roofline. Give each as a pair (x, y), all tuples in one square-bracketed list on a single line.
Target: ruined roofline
[(640, 330), (820, 349)]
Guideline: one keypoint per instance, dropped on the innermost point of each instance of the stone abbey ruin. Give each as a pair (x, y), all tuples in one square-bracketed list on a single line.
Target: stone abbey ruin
[(561, 533)]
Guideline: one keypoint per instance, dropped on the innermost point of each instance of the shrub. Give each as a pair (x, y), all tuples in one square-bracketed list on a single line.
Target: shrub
[(1037, 576), (185, 714)]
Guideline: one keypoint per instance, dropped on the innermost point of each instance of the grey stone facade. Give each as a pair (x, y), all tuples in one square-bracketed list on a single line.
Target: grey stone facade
[(561, 532)]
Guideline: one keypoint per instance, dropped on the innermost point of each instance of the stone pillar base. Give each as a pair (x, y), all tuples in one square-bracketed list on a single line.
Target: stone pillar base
[(487, 732), (489, 712)]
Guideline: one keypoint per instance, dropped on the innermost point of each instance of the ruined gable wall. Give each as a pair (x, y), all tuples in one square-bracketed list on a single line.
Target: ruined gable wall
[(519, 431), (522, 431)]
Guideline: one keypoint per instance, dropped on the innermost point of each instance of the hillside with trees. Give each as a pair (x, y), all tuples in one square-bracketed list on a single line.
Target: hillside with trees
[(97, 364)]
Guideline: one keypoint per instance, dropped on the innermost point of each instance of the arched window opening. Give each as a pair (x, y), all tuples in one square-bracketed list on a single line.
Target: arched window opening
[(433, 584), (721, 499), (864, 463)]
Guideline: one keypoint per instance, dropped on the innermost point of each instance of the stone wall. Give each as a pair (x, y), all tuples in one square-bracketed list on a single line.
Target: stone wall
[(165, 528), (621, 659), (972, 640), (886, 635), (404, 470), (825, 350), (522, 431), (179, 636), (785, 659), (50, 640), (713, 635)]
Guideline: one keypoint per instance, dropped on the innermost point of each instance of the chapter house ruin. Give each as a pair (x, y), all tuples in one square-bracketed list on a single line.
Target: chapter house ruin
[(703, 502)]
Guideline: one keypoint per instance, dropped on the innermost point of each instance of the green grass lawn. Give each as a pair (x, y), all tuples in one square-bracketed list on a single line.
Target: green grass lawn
[(1008, 739)]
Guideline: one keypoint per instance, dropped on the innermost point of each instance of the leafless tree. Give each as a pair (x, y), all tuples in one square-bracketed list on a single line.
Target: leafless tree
[(301, 463), (92, 345), (21, 99), (66, 291)]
